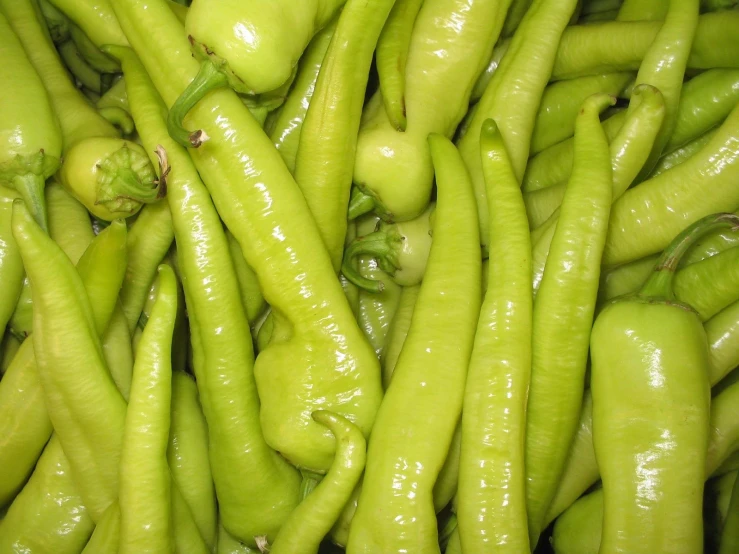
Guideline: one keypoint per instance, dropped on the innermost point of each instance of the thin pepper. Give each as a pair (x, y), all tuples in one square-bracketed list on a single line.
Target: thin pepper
[(710, 285), (316, 341), (519, 81), (328, 139), (304, 530), (563, 314), (398, 332), (249, 507), (144, 472), (396, 511), (251, 294), (30, 139), (491, 502)]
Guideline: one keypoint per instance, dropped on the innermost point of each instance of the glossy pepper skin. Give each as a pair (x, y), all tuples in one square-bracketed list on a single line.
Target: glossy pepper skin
[(491, 500), (30, 137), (144, 473), (519, 81), (318, 356), (250, 46), (328, 139), (450, 43), (563, 315), (396, 509), (651, 411), (249, 507)]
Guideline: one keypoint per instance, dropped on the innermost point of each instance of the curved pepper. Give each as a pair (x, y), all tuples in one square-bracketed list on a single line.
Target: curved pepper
[(396, 510), (250, 46), (144, 472), (563, 314), (285, 124), (316, 344), (451, 41), (312, 519), (30, 138), (491, 502), (328, 139), (401, 250), (112, 177), (257, 506), (519, 81), (96, 18)]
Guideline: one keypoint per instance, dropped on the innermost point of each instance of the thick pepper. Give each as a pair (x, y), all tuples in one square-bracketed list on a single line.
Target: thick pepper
[(396, 510), (563, 314), (519, 81), (252, 507), (248, 46), (491, 502), (651, 408), (30, 137), (450, 44), (316, 343)]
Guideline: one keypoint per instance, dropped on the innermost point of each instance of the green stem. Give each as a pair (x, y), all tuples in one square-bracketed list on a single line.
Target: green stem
[(359, 204), (31, 187), (376, 245), (659, 283), (208, 78)]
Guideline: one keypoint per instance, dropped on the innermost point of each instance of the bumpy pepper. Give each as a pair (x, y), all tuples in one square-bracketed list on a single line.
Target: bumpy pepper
[(30, 138), (316, 343), (249, 46)]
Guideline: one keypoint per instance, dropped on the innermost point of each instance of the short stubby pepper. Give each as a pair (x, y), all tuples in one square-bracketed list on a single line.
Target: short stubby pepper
[(249, 46), (30, 137), (651, 410)]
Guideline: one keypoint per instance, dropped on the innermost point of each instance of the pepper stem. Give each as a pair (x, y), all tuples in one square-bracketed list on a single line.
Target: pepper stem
[(359, 204), (659, 283), (378, 246), (31, 187), (208, 78), (126, 179)]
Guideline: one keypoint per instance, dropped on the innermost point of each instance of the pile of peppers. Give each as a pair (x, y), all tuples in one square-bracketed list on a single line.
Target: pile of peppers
[(374, 276)]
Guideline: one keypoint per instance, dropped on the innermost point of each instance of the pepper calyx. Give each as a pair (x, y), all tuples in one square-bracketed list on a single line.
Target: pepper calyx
[(126, 180)]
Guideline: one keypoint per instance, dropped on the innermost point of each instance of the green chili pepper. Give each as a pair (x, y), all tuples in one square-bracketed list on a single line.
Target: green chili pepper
[(519, 81), (260, 61), (450, 43), (555, 120), (730, 533), (722, 331), (579, 528), (10, 347), (188, 454), (31, 139), (563, 314), (398, 332), (285, 124), (78, 119), (84, 74), (396, 510), (112, 177), (643, 10), (392, 57), (628, 156), (96, 18), (144, 473), (328, 140), (645, 218), (312, 519), (491, 506), (48, 514), (340, 530), (106, 536), (651, 413), (314, 342), (115, 97), (149, 239), (401, 251), (117, 351), (251, 294), (621, 46), (710, 285), (229, 545), (249, 507), (11, 266), (516, 13), (445, 487)]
